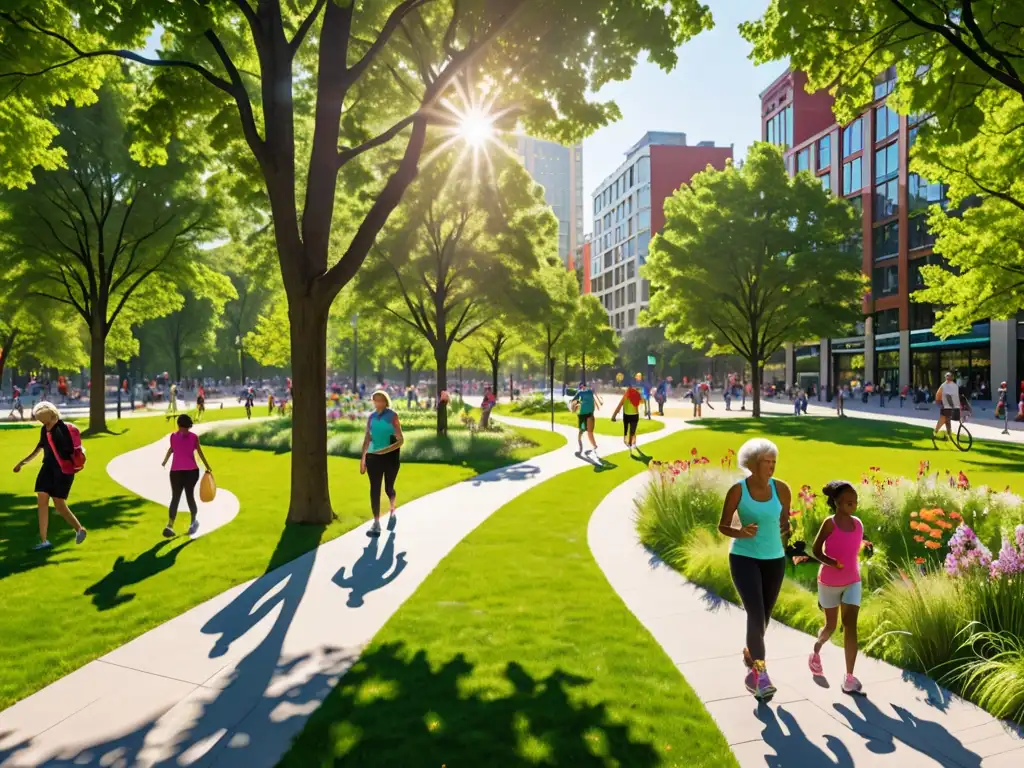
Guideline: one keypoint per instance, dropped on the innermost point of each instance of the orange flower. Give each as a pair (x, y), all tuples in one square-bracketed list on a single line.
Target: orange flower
[(938, 512), (919, 539), (927, 514), (932, 544), (936, 534), (919, 560), (914, 525), (955, 516)]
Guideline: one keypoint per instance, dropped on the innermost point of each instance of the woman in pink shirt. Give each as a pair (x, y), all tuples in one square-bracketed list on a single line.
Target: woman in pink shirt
[(837, 548), (184, 473)]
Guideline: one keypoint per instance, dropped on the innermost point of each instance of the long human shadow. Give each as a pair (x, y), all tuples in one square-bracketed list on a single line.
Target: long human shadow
[(19, 528), (793, 748), (254, 689), (371, 572), (445, 716), (106, 593), (924, 736)]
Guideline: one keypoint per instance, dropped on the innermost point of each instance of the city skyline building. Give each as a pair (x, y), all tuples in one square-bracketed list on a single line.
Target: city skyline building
[(629, 209), (559, 170), (866, 162)]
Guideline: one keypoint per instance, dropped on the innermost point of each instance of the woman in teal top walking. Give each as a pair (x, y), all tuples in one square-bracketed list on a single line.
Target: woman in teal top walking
[(757, 556), (381, 445)]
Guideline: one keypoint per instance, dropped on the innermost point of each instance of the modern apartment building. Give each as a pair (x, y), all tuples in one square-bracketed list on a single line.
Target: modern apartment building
[(866, 161), (629, 209), (559, 170)]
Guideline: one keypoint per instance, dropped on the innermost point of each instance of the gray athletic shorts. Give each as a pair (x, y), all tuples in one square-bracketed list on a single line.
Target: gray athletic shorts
[(831, 597)]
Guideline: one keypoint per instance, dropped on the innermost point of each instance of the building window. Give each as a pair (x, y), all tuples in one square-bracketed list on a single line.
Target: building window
[(918, 234), (887, 321), (629, 205), (824, 152), (803, 160), (887, 162), (885, 281), (645, 220), (644, 198), (618, 300), (597, 227), (887, 240), (608, 260), (595, 285), (887, 199), (857, 203), (631, 315), (631, 177), (631, 293), (853, 138), (629, 227), (644, 169), (630, 270), (922, 316), (852, 176), (885, 82), (779, 129), (630, 248), (645, 291), (643, 243), (921, 194), (826, 181), (887, 123)]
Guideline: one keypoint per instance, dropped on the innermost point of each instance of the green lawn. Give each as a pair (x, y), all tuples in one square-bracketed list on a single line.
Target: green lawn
[(66, 607), (516, 651), (602, 425)]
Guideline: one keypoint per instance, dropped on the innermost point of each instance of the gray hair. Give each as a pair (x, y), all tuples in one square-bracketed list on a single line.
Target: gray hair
[(752, 451), (45, 407)]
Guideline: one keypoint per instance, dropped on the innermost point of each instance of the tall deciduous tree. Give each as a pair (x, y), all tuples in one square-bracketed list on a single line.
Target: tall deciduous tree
[(591, 340), (105, 232), (189, 335), (466, 252), (750, 259), (961, 63), (304, 93), (548, 336)]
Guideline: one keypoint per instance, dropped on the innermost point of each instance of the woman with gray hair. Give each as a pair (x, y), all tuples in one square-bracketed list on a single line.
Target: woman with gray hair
[(757, 556), (52, 482)]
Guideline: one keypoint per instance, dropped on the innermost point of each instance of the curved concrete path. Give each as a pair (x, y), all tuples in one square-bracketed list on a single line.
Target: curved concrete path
[(904, 720), (232, 681), (140, 472)]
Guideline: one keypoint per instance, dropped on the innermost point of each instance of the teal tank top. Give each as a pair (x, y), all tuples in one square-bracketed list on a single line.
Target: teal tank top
[(767, 544), (382, 429)]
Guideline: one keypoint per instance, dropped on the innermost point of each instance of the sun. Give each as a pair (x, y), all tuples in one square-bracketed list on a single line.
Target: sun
[(476, 128)]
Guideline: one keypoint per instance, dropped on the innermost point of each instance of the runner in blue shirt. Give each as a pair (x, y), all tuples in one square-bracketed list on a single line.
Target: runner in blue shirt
[(583, 403)]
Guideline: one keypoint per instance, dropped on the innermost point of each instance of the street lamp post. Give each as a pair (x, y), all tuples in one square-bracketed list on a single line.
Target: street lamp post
[(355, 354)]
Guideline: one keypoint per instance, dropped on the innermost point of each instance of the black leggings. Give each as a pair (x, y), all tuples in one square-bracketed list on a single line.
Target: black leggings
[(759, 583), (183, 480), (629, 424), (381, 466)]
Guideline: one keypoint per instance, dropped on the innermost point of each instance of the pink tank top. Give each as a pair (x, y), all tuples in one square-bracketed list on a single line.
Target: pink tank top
[(843, 546), (183, 446)]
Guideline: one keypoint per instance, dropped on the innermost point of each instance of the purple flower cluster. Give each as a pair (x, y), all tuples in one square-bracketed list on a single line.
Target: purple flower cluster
[(1011, 556), (966, 553)]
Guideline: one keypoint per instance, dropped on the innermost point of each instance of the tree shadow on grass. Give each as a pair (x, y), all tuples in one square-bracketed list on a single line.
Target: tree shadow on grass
[(106, 593), (258, 701), (443, 718), (924, 736), (793, 748), (19, 528)]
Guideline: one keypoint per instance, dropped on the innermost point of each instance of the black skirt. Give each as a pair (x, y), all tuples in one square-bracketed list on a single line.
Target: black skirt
[(53, 482)]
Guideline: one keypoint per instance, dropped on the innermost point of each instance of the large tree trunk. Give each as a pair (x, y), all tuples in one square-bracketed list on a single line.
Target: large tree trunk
[(583, 362), (5, 351), (494, 375), (310, 497), (408, 370), (757, 373), (441, 361), (97, 374)]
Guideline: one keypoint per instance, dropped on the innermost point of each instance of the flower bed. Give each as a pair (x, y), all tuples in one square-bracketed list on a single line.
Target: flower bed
[(936, 600)]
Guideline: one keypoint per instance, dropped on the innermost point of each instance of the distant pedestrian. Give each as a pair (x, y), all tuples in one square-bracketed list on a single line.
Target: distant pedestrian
[(270, 404), (200, 403), (629, 404), (840, 398), (586, 402), (381, 460), (904, 391), (57, 472), (486, 406), (660, 396), (172, 403), (184, 473), (16, 405), (697, 394)]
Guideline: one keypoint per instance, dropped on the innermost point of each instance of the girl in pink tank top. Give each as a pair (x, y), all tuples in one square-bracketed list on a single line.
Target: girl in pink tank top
[(837, 548)]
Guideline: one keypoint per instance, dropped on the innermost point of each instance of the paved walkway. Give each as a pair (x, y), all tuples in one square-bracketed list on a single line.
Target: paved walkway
[(139, 470), (904, 720), (232, 681)]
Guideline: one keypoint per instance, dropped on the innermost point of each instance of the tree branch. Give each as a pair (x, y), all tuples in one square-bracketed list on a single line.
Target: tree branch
[(241, 97), (304, 27)]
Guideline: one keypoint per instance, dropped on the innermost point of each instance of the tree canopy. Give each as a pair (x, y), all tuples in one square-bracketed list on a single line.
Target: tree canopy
[(750, 259), (591, 341)]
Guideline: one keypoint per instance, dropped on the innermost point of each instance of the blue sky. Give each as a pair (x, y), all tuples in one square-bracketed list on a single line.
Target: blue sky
[(711, 95)]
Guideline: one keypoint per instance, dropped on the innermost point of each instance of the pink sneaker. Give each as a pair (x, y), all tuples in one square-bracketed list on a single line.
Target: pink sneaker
[(814, 663), (851, 684), (751, 681), (765, 689)]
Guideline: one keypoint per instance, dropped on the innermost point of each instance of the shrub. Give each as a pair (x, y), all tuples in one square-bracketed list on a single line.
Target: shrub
[(537, 403), (995, 679)]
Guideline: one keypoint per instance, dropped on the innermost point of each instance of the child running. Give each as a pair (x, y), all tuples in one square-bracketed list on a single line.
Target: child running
[(585, 398), (629, 404), (184, 473), (837, 547)]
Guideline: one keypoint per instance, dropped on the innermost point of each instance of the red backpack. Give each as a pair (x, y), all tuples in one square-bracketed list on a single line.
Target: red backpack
[(77, 461)]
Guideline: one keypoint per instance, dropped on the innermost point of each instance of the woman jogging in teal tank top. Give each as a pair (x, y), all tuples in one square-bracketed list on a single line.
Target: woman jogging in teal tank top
[(757, 556), (586, 403), (380, 459)]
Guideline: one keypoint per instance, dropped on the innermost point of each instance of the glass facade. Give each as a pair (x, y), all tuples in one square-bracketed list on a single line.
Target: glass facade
[(887, 123), (778, 129), (824, 152), (559, 170), (853, 137), (852, 181), (887, 240)]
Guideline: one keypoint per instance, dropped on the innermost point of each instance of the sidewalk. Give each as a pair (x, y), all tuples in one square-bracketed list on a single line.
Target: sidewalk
[(232, 681), (904, 720)]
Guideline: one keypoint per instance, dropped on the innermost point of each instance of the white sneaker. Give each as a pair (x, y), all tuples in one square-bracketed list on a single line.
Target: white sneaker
[(44, 544), (192, 529)]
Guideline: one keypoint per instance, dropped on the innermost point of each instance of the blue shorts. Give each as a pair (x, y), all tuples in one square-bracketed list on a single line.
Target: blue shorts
[(831, 597)]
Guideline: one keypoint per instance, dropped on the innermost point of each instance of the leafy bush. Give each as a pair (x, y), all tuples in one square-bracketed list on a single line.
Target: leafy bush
[(537, 403)]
